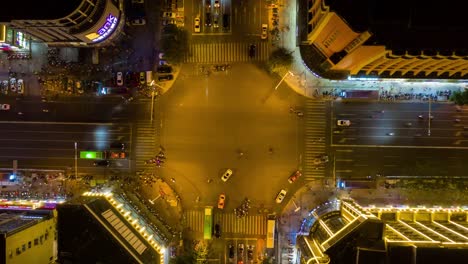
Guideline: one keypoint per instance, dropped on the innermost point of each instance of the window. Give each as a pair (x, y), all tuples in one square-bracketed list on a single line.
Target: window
[(41, 238), (23, 248), (29, 244), (36, 241), (18, 251)]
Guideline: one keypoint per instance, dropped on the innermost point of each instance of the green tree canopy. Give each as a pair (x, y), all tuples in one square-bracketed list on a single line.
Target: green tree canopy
[(174, 43), (460, 98), (280, 59)]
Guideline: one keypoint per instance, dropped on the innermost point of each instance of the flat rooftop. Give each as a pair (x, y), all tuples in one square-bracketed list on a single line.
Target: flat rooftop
[(37, 9), (12, 221), (408, 24)]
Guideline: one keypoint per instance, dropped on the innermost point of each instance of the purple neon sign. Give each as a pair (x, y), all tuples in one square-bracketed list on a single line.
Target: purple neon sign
[(107, 28)]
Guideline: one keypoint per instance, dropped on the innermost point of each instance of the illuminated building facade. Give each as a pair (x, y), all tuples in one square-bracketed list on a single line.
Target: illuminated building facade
[(386, 39), (344, 232), (78, 23), (28, 236)]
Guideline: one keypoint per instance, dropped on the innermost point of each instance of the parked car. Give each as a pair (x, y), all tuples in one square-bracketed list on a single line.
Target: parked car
[(166, 77), (117, 145), (294, 176), (142, 77), (164, 69), (117, 155), (13, 84), (197, 25), (264, 31), (119, 78), (226, 175), (101, 163), (20, 86), (225, 21), (4, 107), (208, 4), (231, 251), (221, 199), (240, 251), (280, 196), (343, 123), (250, 252), (140, 21), (215, 21), (217, 4)]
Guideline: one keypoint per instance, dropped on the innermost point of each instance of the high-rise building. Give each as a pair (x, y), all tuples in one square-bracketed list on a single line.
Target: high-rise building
[(385, 39)]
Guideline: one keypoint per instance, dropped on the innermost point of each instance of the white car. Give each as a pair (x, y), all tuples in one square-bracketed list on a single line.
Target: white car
[(138, 21), (119, 79), (226, 175), (280, 196), (217, 4), (343, 123), (13, 84), (264, 31), (20, 86), (197, 25), (4, 107)]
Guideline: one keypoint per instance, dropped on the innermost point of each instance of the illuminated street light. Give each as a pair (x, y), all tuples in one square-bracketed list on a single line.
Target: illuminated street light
[(297, 207), (152, 97), (152, 201), (284, 77)]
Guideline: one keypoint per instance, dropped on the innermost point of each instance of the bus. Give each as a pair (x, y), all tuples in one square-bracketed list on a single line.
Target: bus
[(270, 241), (208, 223)]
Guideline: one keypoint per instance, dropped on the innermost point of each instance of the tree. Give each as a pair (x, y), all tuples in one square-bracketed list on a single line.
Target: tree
[(459, 98), (174, 43), (280, 60)]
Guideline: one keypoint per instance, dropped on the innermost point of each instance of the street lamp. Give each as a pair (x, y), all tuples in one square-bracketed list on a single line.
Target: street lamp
[(152, 201), (284, 77), (297, 207), (152, 97), (429, 122), (76, 160)]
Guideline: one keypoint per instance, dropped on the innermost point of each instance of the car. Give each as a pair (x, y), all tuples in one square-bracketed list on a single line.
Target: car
[(164, 69), (338, 131), (4, 107), (138, 1), (169, 15), (217, 4), (221, 199), (20, 86), (45, 110), (294, 176), (217, 231), (226, 175), (117, 145), (197, 25), (215, 21), (140, 21), (264, 31), (119, 79), (280, 196), (240, 251), (166, 77), (231, 251), (142, 77), (117, 155), (343, 123), (101, 163), (252, 49), (208, 4), (226, 21), (13, 84), (208, 20), (250, 252)]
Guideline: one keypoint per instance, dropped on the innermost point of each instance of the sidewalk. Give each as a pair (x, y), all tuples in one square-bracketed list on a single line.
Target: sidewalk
[(304, 82)]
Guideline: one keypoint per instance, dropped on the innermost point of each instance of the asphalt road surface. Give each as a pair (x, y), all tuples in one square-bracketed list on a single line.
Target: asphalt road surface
[(47, 145), (208, 121), (366, 148)]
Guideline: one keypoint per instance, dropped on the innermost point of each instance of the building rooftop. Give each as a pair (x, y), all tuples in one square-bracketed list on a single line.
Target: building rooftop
[(37, 10), (12, 221), (407, 25)]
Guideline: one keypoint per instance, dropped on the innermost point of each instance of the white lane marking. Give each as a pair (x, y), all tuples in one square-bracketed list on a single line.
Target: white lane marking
[(395, 146)]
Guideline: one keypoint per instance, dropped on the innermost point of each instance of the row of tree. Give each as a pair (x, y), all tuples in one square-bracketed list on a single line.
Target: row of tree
[(459, 97)]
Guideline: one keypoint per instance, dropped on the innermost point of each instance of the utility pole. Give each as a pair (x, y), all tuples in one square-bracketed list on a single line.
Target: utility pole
[(76, 160), (429, 122)]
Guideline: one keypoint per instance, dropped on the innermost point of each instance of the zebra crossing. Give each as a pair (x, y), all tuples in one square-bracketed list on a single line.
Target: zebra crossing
[(248, 225), (145, 144), (314, 145), (226, 52)]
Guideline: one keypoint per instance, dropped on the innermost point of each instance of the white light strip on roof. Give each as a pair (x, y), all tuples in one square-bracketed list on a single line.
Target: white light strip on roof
[(435, 232), (458, 225), (397, 232), (322, 224), (415, 230), (451, 230)]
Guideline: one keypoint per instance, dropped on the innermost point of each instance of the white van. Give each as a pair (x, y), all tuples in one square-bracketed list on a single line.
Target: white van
[(149, 77)]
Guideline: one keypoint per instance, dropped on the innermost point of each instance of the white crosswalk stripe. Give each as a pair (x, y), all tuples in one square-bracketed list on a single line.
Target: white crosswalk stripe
[(230, 224), (145, 145), (226, 52), (315, 126)]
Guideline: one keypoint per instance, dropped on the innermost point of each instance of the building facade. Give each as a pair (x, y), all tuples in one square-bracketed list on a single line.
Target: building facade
[(90, 23), (341, 48)]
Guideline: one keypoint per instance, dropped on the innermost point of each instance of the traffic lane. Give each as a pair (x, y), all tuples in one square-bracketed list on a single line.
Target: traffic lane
[(63, 162), (376, 107), (361, 162)]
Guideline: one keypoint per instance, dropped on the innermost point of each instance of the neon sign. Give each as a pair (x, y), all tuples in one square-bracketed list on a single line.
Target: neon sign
[(107, 28)]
